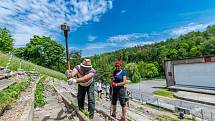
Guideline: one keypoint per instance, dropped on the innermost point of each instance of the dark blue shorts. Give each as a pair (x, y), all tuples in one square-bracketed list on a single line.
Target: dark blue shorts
[(120, 94)]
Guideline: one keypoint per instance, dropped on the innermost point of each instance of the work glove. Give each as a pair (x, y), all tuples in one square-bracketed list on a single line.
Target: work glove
[(114, 84), (72, 81), (68, 73)]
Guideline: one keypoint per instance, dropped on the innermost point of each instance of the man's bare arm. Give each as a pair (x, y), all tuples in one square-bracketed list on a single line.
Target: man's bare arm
[(85, 78), (74, 73)]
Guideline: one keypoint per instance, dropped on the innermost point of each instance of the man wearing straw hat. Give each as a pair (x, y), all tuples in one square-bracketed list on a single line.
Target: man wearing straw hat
[(84, 78)]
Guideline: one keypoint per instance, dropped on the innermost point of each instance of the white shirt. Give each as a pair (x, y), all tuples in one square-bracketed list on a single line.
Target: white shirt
[(107, 88), (99, 86)]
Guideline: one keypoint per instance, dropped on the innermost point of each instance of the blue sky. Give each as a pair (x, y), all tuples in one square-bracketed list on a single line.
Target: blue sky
[(99, 26)]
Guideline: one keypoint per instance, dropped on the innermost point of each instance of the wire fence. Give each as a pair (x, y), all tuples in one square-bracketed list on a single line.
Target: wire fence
[(197, 111), (205, 115)]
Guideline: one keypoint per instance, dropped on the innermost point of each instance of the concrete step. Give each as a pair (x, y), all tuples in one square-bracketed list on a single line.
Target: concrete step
[(196, 97), (194, 89)]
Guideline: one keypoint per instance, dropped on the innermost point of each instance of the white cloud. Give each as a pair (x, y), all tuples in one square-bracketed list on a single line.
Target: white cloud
[(140, 43), (99, 48), (189, 28), (99, 45), (25, 18), (127, 37), (73, 48), (121, 41), (91, 38), (123, 11)]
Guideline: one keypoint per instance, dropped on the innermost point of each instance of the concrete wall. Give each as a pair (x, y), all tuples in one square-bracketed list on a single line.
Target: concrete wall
[(172, 78)]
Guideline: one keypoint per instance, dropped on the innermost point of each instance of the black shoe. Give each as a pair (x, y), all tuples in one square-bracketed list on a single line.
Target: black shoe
[(113, 115)]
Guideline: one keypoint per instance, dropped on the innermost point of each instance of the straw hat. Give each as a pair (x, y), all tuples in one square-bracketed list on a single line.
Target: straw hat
[(86, 63)]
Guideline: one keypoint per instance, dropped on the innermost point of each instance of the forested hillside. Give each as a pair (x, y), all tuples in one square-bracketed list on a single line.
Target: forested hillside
[(148, 60), (140, 61)]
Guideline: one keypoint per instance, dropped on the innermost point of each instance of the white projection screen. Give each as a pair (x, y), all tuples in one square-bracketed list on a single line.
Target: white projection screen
[(198, 74)]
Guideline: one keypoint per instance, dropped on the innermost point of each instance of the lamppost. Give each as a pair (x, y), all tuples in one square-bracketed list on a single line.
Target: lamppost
[(66, 30)]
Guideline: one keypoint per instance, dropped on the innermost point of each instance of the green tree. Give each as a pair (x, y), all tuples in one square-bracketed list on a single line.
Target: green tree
[(151, 71), (103, 70), (141, 67), (45, 52), (173, 53), (193, 44), (208, 47), (133, 72), (75, 57), (194, 51), (19, 52), (6, 41)]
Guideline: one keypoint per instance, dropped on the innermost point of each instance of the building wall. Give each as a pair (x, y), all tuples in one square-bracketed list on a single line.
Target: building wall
[(170, 65)]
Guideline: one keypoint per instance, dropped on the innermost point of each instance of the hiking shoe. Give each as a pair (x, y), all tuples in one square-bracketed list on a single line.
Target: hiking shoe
[(113, 115), (122, 119)]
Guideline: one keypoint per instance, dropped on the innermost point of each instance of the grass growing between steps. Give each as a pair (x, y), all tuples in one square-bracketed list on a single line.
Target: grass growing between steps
[(28, 66), (166, 118), (164, 93), (87, 114), (10, 94), (40, 99)]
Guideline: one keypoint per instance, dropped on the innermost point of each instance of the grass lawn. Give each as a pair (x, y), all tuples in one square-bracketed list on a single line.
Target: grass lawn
[(164, 93), (28, 66)]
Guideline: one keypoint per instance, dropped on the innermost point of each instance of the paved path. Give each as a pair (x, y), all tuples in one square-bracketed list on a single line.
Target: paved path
[(147, 87)]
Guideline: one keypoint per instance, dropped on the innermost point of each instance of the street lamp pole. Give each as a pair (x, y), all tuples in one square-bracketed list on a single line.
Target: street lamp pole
[(66, 30)]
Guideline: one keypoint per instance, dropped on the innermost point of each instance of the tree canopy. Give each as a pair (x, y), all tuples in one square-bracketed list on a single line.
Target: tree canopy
[(43, 51), (140, 61), (6, 41), (150, 58)]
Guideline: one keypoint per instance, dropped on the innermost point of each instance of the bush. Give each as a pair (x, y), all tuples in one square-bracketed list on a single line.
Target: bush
[(151, 71)]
